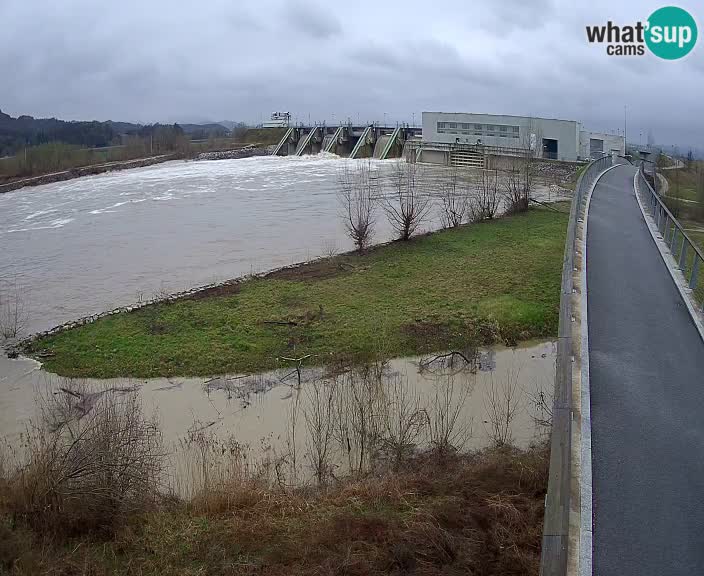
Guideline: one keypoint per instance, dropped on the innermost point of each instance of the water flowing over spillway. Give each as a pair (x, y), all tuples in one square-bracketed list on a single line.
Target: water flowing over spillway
[(88, 245), (91, 244)]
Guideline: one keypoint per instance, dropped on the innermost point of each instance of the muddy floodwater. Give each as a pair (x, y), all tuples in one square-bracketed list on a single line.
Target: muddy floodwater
[(84, 246), (266, 414), (89, 245)]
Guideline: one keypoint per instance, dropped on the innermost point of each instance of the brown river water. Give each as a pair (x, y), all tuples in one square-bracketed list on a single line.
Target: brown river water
[(87, 245), (266, 414)]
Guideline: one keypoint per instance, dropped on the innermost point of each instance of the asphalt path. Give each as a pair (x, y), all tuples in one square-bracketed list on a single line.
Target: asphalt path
[(646, 362)]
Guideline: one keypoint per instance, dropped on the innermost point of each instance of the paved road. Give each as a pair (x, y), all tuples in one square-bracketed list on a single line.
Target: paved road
[(647, 390)]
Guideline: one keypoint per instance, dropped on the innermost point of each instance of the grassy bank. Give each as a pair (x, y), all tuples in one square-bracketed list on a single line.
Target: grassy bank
[(474, 514), (492, 281)]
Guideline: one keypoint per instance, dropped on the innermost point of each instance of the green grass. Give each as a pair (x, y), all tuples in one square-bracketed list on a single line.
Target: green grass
[(684, 193), (497, 280)]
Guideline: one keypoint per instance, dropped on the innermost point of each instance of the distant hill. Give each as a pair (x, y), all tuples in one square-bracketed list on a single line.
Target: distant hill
[(203, 131), (17, 133)]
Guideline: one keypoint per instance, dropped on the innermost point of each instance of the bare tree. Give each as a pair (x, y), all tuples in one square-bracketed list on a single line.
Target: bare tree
[(454, 202), (517, 187), (320, 424), (13, 311), (403, 419), (485, 203), (502, 403), (359, 188), (358, 407), (447, 432), (406, 206)]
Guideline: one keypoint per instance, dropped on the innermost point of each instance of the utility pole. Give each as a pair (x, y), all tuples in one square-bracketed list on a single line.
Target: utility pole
[(414, 119), (625, 137)]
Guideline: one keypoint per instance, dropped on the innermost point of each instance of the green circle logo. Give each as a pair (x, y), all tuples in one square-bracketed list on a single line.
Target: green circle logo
[(670, 32)]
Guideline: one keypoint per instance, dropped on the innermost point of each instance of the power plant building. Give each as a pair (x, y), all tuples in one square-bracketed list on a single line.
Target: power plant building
[(546, 137)]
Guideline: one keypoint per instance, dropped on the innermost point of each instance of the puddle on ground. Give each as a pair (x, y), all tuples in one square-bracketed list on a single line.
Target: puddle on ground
[(266, 418)]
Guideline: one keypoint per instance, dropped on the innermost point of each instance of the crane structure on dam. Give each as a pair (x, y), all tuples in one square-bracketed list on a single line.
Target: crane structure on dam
[(347, 140)]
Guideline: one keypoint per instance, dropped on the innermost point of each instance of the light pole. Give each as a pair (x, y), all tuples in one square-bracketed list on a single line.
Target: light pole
[(384, 118)]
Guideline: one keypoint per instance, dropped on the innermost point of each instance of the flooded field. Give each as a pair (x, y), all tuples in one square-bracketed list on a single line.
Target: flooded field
[(273, 419), (88, 245)]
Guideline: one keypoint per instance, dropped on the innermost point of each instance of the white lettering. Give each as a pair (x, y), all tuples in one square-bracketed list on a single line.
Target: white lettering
[(685, 35), (656, 34)]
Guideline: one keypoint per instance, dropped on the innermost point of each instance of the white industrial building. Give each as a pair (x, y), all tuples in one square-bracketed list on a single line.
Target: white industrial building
[(547, 137)]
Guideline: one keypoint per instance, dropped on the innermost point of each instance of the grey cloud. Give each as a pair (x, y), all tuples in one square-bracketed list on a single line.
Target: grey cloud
[(311, 20), (168, 61)]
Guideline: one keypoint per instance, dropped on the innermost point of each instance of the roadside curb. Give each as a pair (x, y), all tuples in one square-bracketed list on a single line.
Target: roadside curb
[(582, 395)]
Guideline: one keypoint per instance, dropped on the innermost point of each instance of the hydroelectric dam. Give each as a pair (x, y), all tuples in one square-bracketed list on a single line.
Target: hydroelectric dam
[(347, 140)]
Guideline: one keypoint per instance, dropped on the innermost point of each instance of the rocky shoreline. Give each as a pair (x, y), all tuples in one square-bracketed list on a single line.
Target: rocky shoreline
[(15, 347), (84, 171)]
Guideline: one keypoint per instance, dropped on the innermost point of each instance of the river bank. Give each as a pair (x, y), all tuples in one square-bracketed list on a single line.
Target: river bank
[(493, 281), (84, 171)]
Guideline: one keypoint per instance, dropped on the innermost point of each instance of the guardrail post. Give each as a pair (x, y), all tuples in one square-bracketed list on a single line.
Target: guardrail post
[(683, 254), (695, 272), (673, 238)]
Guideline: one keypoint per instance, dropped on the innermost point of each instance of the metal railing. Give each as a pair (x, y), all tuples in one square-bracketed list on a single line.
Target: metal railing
[(560, 499), (689, 256), (477, 148)]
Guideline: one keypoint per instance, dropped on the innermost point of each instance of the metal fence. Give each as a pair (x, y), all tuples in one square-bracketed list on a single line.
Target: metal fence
[(689, 256), (560, 499), (461, 147)]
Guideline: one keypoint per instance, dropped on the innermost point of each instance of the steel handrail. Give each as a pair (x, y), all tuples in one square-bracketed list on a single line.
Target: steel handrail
[(663, 216)]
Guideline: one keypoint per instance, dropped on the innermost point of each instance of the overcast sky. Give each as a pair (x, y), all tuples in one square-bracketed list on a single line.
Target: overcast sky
[(171, 60)]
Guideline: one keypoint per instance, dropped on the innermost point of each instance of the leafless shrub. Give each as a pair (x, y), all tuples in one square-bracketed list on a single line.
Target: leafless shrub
[(357, 416), (330, 248), (319, 415), (485, 203), (162, 293), (517, 187), (403, 420), (211, 471), (454, 206), (13, 310), (359, 188), (407, 204), (502, 403), (446, 430), (90, 464), (541, 403)]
